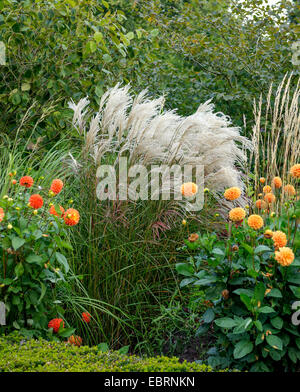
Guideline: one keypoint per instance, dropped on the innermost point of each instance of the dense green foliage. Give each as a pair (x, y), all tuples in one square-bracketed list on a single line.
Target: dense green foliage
[(191, 51), (251, 295), (19, 355)]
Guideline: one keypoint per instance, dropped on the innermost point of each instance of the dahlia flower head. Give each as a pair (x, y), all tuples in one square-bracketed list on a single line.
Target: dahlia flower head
[(1, 214), (270, 197), (26, 181), (232, 193), (267, 189), (279, 239), (193, 237), (290, 190), (256, 222), (284, 256), (261, 204), (237, 214), (71, 217), (36, 201), (55, 324), (277, 182), (56, 186), (295, 171), (75, 340), (189, 189), (86, 317)]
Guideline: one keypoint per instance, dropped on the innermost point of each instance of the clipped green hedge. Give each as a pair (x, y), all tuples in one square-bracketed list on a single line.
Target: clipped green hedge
[(20, 355)]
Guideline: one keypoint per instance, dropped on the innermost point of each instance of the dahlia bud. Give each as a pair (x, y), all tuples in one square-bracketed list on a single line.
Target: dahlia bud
[(268, 234), (235, 248), (9, 226), (225, 294), (193, 237), (184, 222)]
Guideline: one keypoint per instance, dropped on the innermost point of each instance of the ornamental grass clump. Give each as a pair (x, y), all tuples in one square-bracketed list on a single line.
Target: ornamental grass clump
[(252, 278), (34, 240), (121, 241)]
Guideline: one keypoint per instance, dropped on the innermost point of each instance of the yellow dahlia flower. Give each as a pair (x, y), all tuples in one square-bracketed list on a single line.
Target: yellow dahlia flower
[(255, 222), (279, 239), (237, 214), (267, 189), (232, 193), (295, 170), (285, 256)]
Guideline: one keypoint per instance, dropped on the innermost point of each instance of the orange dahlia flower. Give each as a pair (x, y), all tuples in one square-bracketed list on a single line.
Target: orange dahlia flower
[(285, 256), (270, 198), (55, 324), (268, 234), (193, 237), (56, 186), (237, 214), (71, 217), (189, 189), (232, 193), (255, 222), (267, 189), (262, 180), (279, 239), (75, 340), (290, 190), (26, 181), (86, 317), (295, 170), (53, 211), (36, 201), (1, 214), (261, 204), (277, 182)]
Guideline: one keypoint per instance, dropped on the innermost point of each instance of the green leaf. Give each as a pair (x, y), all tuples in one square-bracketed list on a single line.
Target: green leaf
[(246, 300), (295, 290), (274, 293), (103, 347), (185, 269), (66, 332), (154, 32), (262, 249), (208, 316), (43, 292), (277, 322), (124, 350), (63, 261), (34, 259), (258, 325), (266, 309), (17, 242), (107, 58), (274, 341), (242, 348), (98, 37), (19, 270), (259, 292), (248, 248), (225, 322), (186, 282)]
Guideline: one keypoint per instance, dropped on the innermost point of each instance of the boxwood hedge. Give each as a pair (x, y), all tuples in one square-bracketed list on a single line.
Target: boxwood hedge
[(18, 354)]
